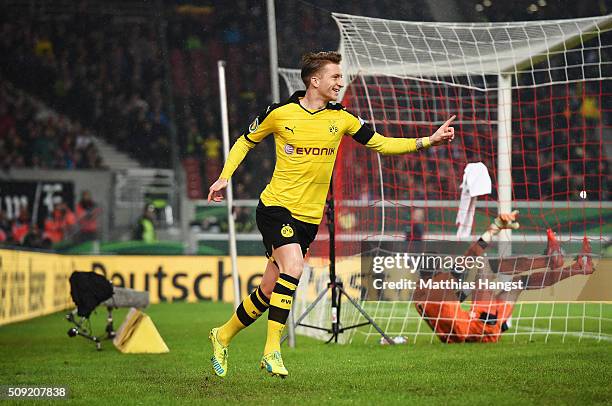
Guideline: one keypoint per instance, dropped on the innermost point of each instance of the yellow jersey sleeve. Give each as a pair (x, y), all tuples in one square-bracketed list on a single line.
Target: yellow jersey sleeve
[(260, 128), (236, 155), (396, 146), (363, 134)]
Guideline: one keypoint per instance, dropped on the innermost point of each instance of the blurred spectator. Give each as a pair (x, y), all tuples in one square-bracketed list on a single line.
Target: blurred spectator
[(417, 225), (212, 156), (244, 219), (5, 227), (35, 239), (61, 222), (21, 226), (87, 214), (145, 227), (210, 224)]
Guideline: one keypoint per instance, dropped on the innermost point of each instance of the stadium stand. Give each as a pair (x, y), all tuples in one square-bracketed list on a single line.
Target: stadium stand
[(32, 135), (110, 79), (105, 78)]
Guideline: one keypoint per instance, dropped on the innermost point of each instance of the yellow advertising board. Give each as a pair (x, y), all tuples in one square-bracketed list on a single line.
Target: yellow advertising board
[(34, 284), (175, 278)]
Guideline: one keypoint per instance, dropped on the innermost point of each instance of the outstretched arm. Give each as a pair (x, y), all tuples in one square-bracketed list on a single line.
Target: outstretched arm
[(396, 146)]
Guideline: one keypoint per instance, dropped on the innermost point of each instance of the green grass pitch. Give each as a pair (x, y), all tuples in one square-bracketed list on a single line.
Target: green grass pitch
[(38, 352)]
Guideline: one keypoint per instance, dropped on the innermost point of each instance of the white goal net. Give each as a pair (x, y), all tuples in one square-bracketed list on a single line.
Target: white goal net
[(532, 104)]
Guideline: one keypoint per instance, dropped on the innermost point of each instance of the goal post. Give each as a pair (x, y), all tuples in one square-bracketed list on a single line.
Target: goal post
[(530, 98)]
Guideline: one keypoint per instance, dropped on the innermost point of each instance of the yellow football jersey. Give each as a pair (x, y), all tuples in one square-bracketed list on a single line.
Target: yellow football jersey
[(306, 149)]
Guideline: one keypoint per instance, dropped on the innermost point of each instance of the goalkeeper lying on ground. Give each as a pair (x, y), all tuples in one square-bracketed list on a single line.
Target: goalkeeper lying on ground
[(491, 310)]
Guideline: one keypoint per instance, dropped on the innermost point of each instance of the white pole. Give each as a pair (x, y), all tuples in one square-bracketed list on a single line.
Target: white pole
[(273, 51), (230, 196), (36, 204), (504, 156)]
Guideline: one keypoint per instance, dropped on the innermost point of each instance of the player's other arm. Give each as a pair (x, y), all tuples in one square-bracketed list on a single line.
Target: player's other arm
[(396, 146), (259, 129)]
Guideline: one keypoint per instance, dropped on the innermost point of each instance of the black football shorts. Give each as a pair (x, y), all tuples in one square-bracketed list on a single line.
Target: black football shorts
[(279, 228)]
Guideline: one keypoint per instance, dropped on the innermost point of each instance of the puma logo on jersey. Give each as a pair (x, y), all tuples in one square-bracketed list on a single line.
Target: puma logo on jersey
[(290, 129)]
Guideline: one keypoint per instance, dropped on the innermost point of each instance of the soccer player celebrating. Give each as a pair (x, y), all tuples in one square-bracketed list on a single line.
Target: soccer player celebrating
[(491, 310), (307, 129)]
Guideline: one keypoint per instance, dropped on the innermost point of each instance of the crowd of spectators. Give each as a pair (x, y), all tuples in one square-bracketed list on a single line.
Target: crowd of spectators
[(108, 73), (60, 224), (561, 151), (33, 136), (563, 159)]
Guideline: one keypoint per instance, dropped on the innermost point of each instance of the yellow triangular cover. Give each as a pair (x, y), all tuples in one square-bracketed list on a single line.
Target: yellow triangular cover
[(138, 335)]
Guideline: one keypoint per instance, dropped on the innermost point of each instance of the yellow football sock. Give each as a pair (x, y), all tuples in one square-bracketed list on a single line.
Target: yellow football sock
[(249, 310), (275, 329), (280, 304)]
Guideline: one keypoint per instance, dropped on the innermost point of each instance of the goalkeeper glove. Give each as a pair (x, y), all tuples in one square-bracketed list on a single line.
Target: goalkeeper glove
[(501, 222)]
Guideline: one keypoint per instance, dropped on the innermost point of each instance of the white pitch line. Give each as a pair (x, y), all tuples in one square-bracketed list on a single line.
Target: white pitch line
[(594, 336)]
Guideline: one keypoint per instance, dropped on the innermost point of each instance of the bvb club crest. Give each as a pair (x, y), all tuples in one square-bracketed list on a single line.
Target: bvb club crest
[(333, 128), (287, 231)]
